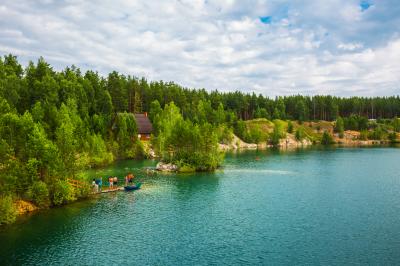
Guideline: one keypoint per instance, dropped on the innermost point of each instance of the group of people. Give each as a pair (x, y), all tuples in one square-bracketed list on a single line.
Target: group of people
[(112, 181)]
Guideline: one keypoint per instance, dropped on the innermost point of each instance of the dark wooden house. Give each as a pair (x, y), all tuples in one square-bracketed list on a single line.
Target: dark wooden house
[(144, 125)]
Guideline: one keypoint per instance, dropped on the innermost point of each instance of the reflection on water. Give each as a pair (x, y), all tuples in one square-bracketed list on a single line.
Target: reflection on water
[(316, 206)]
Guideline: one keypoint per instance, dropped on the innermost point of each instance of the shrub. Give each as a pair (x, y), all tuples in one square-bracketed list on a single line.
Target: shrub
[(299, 134), (62, 193), (326, 139), (396, 124), (187, 169), (225, 134), (275, 136), (363, 135), (290, 127), (339, 127), (8, 213), (83, 191), (39, 194), (392, 137), (376, 134)]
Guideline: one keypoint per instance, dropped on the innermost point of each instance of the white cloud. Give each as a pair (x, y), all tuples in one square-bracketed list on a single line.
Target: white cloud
[(350, 46), (310, 46)]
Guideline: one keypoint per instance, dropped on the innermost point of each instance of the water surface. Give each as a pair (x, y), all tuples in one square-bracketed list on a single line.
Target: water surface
[(330, 206)]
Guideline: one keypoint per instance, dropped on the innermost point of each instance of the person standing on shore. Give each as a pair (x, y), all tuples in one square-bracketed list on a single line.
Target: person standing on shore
[(100, 183), (115, 181), (95, 186), (110, 181)]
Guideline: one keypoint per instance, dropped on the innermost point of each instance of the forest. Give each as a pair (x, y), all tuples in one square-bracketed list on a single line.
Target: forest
[(53, 124)]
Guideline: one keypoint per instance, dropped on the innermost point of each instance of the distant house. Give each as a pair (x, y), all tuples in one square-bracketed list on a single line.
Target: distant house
[(144, 125)]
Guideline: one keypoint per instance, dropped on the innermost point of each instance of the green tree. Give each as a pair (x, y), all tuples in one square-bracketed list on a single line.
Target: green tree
[(392, 137), (155, 111), (8, 213), (339, 127), (276, 135), (396, 124), (39, 194), (301, 110), (290, 127), (66, 139), (326, 138), (220, 114), (299, 135), (118, 91)]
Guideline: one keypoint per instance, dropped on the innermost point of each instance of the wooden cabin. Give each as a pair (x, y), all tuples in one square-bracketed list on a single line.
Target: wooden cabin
[(145, 128)]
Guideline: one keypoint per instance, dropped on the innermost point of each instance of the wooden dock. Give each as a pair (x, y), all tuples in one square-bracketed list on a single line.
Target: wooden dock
[(111, 190)]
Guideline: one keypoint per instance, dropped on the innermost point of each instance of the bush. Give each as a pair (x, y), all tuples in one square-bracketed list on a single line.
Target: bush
[(290, 127), (185, 168), (299, 134), (363, 135), (339, 127), (275, 137), (326, 139), (392, 137), (62, 193), (225, 134), (8, 213), (376, 134), (39, 194), (396, 124), (277, 133), (83, 191)]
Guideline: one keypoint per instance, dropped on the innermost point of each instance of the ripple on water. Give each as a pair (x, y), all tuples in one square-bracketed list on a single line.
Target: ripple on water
[(334, 211)]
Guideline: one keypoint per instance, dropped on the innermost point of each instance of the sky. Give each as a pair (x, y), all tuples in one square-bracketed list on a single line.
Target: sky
[(337, 47)]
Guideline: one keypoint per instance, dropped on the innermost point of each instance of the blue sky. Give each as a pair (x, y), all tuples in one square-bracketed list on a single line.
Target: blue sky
[(340, 47)]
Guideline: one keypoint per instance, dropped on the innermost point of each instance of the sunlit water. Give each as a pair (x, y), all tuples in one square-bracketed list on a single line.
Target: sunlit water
[(337, 206)]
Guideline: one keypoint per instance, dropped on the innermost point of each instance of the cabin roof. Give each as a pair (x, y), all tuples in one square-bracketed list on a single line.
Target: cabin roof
[(143, 123)]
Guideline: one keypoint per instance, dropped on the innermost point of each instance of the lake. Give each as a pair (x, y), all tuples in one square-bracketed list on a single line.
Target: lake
[(315, 206)]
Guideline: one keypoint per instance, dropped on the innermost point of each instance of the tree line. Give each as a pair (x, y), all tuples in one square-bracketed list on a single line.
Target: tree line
[(55, 123)]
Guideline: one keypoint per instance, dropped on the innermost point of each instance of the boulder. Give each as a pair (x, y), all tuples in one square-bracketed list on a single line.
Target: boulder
[(166, 167)]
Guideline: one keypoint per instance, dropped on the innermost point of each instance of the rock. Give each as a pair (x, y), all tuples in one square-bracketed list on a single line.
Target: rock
[(291, 142), (237, 143), (166, 167), (152, 153)]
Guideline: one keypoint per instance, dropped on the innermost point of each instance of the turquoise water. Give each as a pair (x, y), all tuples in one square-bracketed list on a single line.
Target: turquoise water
[(333, 206)]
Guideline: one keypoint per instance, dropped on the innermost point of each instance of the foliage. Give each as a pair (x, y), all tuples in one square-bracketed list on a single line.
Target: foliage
[(339, 127), (99, 155), (8, 212), (290, 127), (300, 133), (326, 138), (277, 134), (39, 194), (363, 135), (392, 137), (225, 134), (396, 124), (62, 192), (83, 191), (376, 134), (355, 122), (184, 142)]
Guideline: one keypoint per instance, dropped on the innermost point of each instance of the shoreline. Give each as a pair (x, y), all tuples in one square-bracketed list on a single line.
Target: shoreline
[(25, 208)]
